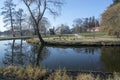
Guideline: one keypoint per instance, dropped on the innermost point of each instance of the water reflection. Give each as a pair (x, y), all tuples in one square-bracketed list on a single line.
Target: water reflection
[(20, 53), (110, 56), (9, 58), (86, 50), (15, 54), (43, 53), (73, 58)]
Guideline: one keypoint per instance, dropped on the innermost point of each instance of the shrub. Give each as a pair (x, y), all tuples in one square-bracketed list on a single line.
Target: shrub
[(31, 73), (9, 71)]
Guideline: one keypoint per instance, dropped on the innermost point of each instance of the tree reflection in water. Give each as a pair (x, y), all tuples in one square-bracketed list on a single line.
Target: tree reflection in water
[(19, 53), (9, 58), (86, 50), (110, 56)]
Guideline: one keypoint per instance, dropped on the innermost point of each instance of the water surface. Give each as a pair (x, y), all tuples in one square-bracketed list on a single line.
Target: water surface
[(20, 53)]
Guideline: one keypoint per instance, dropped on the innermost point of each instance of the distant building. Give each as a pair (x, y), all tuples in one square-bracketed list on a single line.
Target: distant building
[(96, 29), (52, 31)]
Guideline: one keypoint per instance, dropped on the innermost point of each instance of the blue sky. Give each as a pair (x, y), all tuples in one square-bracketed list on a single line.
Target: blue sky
[(80, 9), (73, 9)]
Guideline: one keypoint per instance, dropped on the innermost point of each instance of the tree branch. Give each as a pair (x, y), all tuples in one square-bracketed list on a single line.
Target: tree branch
[(28, 6), (41, 15)]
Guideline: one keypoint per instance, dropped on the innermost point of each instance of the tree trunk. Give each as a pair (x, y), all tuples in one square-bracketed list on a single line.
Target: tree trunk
[(35, 33), (13, 33), (20, 28), (11, 22), (39, 35)]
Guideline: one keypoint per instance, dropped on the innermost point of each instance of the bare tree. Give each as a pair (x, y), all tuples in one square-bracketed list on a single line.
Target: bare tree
[(43, 25), (40, 6), (8, 12), (19, 19), (63, 29), (31, 23)]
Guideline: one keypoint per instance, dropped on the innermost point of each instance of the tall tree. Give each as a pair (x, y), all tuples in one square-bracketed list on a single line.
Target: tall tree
[(93, 22), (31, 24), (77, 25), (97, 23), (84, 24), (78, 22), (116, 1), (40, 6), (19, 19), (44, 24), (111, 20), (63, 29), (8, 13)]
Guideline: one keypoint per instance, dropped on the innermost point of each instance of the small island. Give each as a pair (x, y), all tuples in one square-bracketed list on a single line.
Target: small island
[(85, 40)]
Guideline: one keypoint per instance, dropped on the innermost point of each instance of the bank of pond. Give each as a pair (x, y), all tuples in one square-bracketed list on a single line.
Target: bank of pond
[(72, 41), (88, 59), (37, 73)]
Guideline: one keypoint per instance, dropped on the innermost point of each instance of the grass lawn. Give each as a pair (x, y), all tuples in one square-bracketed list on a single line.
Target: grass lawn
[(74, 40), (84, 37)]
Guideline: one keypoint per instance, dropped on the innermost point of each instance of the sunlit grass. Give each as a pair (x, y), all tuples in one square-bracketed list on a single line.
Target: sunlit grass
[(85, 77), (37, 73), (59, 75), (115, 77), (27, 73), (73, 40)]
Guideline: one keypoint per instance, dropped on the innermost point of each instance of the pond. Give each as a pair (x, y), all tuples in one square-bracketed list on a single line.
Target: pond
[(20, 53)]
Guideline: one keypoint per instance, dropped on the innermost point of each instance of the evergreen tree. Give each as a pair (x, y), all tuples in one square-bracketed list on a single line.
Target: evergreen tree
[(116, 1)]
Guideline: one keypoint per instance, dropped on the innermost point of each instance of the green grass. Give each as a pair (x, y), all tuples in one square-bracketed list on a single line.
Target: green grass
[(96, 34), (88, 36)]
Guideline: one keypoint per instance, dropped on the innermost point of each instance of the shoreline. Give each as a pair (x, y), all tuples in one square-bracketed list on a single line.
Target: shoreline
[(76, 43), (11, 38), (38, 73), (70, 42), (85, 44)]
